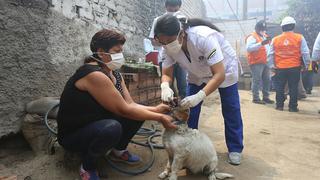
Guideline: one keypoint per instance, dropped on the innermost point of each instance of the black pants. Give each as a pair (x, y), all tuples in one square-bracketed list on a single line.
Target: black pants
[(307, 79), (292, 77), (95, 139)]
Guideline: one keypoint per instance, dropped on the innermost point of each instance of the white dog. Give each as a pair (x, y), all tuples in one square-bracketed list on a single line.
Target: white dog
[(189, 148)]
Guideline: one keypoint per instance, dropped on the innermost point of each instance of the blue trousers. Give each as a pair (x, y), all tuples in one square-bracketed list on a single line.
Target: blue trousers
[(231, 113)]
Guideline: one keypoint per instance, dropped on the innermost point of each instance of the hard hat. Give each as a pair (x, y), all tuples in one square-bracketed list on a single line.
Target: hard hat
[(261, 25), (288, 20)]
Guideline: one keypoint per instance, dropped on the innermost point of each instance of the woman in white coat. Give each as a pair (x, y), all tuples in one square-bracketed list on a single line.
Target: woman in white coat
[(211, 64)]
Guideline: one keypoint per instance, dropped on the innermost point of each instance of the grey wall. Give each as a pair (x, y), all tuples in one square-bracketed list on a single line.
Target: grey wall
[(236, 35), (42, 42), (193, 8)]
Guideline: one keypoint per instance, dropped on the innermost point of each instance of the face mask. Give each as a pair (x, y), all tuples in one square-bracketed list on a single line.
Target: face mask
[(173, 47), (117, 60)]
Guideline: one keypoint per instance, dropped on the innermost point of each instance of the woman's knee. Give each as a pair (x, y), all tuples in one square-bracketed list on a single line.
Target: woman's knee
[(109, 128)]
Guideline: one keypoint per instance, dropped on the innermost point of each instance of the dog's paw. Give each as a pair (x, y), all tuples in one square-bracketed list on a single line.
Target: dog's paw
[(163, 175), (173, 178)]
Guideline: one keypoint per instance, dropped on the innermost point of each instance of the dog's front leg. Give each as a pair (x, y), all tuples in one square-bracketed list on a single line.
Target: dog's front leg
[(166, 171), (176, 166)]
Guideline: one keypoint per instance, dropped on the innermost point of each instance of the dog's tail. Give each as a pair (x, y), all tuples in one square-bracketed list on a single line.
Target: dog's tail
[(223, 175)]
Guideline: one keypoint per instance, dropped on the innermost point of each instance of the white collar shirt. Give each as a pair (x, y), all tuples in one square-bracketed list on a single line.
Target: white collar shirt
[(206, 47)]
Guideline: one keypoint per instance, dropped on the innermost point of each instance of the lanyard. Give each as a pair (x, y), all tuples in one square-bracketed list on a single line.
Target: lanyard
[(186, 53)]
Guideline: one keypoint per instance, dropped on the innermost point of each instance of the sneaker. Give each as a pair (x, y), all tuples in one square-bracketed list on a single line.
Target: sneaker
[(308, 92), (268, 101), (258, 101), (88, 175), (293, 110), (234, 158), (125, 157), (279, 108)]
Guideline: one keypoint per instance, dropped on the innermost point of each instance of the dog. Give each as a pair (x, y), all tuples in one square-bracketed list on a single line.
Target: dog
[(189, 148)]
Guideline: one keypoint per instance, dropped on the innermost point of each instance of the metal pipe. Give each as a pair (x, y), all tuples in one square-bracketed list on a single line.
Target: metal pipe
[(265, 10), (245, 9)]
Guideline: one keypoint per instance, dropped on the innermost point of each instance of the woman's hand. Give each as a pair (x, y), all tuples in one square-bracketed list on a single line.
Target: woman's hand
[(162, 108), (167, 122)]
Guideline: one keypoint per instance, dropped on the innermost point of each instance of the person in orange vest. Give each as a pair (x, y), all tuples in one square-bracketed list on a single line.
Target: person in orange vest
[(257, 44), (284, 57)]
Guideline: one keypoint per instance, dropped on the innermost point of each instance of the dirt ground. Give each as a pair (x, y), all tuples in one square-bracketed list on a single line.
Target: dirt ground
[(278, 146)]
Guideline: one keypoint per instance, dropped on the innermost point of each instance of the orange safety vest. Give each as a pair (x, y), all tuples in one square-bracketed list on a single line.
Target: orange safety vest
[(287, 50), (260, 56)]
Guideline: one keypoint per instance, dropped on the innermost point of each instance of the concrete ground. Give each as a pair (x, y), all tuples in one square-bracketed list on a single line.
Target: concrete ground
[(278, 146)]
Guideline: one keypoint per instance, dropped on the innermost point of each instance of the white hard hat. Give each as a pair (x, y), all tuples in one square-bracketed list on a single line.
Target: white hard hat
[(288, 20)]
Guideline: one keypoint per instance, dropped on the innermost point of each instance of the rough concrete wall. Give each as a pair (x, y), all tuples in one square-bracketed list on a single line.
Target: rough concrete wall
[(42, 42), (132, 17), (39, 48)]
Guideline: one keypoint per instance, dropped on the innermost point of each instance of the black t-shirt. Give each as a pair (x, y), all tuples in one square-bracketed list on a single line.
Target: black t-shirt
[(78, 108)]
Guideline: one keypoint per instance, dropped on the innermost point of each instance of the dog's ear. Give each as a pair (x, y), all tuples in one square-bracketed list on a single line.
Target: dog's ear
[(181, 114)]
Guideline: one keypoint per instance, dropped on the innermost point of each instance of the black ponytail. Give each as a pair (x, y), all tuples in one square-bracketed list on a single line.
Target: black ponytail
[(187, 23), (169, 25)]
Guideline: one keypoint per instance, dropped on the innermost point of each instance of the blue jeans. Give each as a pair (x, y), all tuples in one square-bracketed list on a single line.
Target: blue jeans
[(260, 77), (95, 139), (231, 113), (180, 75), (181, 79), (273, 83)]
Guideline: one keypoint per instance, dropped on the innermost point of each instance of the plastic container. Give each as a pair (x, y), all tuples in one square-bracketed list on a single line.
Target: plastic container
[(152, 57)]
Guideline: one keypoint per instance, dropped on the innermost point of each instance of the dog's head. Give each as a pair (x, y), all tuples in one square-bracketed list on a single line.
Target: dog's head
[(180, 115)]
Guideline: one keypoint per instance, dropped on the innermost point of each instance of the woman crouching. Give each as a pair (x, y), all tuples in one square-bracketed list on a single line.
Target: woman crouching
[(96, 111)]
